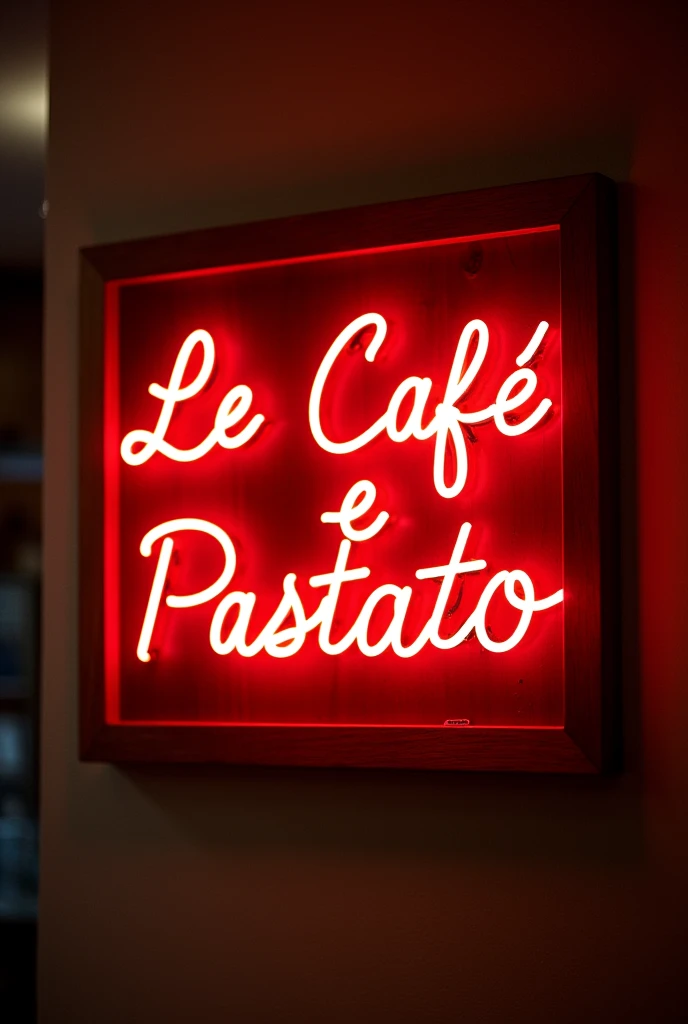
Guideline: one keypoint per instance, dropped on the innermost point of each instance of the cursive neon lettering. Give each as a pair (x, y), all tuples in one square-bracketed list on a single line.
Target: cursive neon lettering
[(358, 500), (337, 346), (446, 424), (280, 641), (179, 600), (139, 445)]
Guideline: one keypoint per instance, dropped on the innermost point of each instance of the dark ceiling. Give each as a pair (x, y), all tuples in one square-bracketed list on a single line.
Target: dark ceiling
[(23, 90)]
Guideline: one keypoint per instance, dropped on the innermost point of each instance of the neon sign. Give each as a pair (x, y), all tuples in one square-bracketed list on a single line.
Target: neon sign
[(335, 486)]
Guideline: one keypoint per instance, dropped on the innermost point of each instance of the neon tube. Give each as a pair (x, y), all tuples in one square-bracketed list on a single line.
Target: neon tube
[(446, 424), (231, 410), (533, 345), (278, 641), (358, 500), (179, 600)]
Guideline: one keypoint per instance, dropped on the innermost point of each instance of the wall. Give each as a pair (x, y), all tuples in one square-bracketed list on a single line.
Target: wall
[(259, 896)]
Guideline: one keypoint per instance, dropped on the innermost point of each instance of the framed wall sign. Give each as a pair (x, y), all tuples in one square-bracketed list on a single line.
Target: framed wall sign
[(347, 487)]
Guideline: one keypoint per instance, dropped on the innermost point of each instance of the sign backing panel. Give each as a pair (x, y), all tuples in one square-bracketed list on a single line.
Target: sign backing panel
[(332, 498)]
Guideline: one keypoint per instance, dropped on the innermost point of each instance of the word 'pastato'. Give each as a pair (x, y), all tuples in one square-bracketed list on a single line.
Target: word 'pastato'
[(280, 641)]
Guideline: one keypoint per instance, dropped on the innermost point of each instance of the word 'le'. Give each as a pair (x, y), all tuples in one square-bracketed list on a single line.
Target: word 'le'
[(446, 425)]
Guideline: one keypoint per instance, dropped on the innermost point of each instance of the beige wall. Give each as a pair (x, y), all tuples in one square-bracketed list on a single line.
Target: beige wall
[(250, 896)]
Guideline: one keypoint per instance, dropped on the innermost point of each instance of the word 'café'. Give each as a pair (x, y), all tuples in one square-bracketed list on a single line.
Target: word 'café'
[(288, 627)]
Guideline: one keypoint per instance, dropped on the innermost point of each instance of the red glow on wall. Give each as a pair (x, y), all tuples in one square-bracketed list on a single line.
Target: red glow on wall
[(333, 490)]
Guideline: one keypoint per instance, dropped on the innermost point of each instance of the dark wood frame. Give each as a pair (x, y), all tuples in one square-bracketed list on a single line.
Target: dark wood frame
[(582, 207)]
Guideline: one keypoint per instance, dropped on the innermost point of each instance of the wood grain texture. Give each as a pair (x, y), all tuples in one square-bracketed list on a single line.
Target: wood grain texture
[(582, 208), (439, 749)]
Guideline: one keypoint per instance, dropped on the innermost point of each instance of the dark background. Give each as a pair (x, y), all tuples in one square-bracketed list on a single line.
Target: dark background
[(23, 61), (258, 896)]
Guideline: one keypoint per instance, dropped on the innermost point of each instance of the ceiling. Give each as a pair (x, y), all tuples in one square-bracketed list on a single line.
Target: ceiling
[(23, 108)]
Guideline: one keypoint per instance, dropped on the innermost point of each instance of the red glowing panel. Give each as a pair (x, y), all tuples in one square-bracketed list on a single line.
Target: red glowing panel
[(333, 487)]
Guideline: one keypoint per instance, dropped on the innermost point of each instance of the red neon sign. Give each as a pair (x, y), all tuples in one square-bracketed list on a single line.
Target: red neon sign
[(320, 516)]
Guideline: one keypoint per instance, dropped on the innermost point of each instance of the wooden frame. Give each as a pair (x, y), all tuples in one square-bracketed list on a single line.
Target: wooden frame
[(582, 208)]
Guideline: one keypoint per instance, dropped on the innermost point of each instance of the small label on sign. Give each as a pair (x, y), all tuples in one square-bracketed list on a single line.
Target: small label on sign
[(458, 721)]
